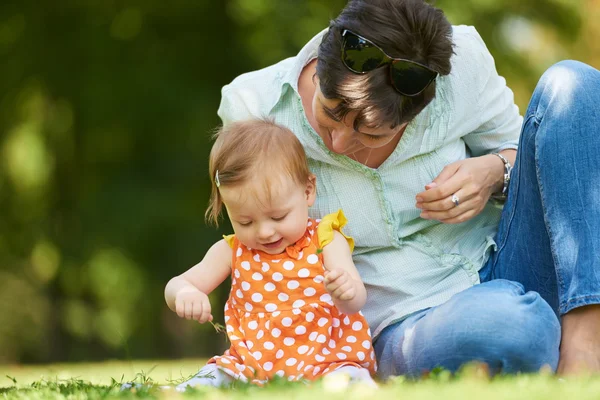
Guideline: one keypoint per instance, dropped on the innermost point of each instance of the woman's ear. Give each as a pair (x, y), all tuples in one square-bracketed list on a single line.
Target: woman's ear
[(311, 190)]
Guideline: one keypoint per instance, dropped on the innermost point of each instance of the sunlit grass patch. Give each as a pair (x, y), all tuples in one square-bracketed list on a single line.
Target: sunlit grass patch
[(104, 380)]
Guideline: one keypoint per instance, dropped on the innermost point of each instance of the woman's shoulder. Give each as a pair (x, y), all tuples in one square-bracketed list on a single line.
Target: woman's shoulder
[(253, 94)]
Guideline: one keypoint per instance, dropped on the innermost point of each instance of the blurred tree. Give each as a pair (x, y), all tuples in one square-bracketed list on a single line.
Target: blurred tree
[(106, 109)]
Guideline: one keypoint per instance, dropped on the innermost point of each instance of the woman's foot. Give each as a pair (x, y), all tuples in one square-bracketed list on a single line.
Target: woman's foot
[(580, 344)]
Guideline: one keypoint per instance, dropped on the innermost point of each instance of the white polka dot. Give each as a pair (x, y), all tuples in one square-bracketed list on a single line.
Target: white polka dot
[(329, 330), (319, 279), (347, 348), (360, 355), (290, 361), (341, 356), (245, 285), (277, 276), (366, 344), (239, 294), (298, 303), (302, 349), (287, 321), (265, 267), (245, 265), (229, 328), (312, 259), (303, 273), (225, 360), (292, 284), (309, 223), (269, 287), (256, 257), (319, 358), (346, 320), (325, 351), (288, 265), (351, 339), (300, 330), (249, 307), (257, 276), (325, 298), (283, 297), (250, 344), (257, 355), (270, 307), (275, 332), (236, 273), (340, 333), (269, 345), (321, 338), (240, 367), (332, 343), (357, 326), (322, 321), (372, 354), (279, 354), (296, 311), (310, 291), (313, 336), (310, 316), (300, 255), (233, 337), (260, 334), (316, 370), (238, 252), (312, 350), (300, 365), (253, 325), (276, 313), (268, 324), (268, 366), (257, 297), (288, 341)]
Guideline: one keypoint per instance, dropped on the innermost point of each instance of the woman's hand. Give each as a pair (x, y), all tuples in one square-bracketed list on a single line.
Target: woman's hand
[(469, 182)]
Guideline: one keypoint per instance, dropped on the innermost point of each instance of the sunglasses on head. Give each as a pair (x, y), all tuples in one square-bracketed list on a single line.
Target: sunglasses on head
[(360, 56)]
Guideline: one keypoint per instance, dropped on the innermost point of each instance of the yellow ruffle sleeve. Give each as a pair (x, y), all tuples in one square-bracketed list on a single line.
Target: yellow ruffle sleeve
[(229, 239), (329, 223)]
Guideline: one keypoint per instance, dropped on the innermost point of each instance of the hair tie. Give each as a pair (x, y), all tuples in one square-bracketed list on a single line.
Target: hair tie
[(217, 182)]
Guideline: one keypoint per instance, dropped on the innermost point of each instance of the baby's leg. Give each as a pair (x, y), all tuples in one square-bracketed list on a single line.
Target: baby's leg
[(209, 375), (355, 374)]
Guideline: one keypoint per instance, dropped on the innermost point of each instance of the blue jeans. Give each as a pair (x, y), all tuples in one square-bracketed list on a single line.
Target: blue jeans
[(547, 260)]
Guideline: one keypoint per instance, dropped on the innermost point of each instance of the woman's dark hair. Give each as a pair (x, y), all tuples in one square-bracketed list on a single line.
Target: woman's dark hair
[(410, 29)]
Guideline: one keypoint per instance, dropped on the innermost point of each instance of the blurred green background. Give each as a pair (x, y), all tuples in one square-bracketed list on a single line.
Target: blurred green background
[(106, 109)]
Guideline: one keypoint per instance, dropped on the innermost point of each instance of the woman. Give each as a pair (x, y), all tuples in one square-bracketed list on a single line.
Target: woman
[(411, 132)]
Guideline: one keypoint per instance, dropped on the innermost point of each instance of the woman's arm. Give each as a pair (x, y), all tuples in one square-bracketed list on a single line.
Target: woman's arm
[(342, 280)]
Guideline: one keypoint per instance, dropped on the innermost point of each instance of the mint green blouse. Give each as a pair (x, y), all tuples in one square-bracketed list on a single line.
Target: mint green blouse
[(407, 263)]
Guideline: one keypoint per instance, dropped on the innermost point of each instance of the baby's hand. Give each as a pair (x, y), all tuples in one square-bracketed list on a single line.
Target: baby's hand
[(193, 304), (340, 284)]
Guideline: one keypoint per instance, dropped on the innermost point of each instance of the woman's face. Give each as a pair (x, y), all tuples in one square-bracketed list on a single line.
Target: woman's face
[(340, 136)]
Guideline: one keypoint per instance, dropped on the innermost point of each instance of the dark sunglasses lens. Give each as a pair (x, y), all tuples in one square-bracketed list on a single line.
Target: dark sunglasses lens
[(360, 55), (411, 79)]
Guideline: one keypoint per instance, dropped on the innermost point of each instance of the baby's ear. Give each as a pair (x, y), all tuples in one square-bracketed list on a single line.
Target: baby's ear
[(311, 189)]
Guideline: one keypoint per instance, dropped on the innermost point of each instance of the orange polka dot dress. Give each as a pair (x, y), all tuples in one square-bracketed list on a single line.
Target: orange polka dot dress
[(281, 321)]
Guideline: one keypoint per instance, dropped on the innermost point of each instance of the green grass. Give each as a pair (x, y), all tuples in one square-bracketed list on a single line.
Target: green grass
[(102, 380)]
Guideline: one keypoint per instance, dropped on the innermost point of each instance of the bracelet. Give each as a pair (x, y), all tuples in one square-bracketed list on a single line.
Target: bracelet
[(507, 169)]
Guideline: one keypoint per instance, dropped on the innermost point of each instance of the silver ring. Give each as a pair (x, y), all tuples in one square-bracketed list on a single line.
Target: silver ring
[(455, 200)]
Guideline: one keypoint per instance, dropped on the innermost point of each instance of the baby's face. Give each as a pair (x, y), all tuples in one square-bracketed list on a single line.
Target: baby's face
[(269, 223)]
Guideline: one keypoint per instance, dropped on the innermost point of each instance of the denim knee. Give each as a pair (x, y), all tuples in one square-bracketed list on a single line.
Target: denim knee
[(510, 329), (566, 84)]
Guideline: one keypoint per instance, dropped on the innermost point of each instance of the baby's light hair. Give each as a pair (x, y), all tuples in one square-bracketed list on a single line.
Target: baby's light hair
[(256, 148)]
